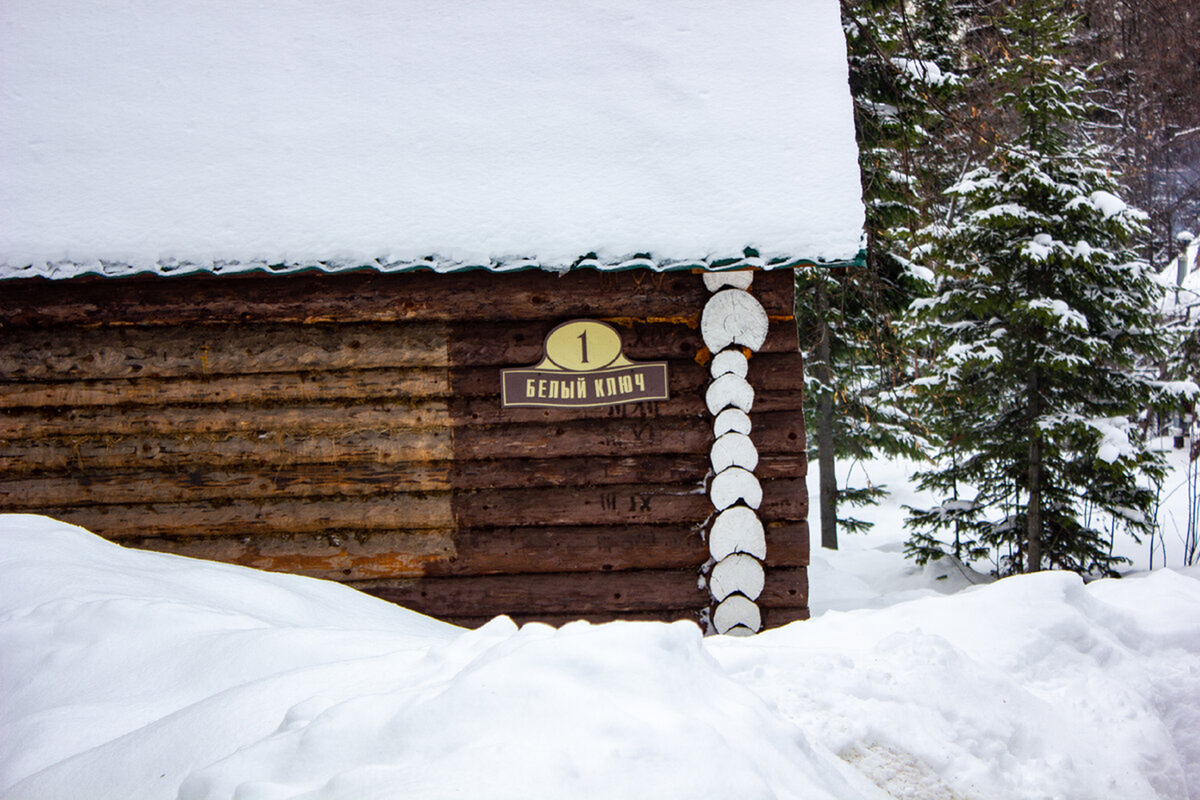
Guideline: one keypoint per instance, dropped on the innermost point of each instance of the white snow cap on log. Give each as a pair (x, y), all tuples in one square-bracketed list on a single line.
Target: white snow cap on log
[(729, 360), (732, 485), (736, 610), (727, 391), (731, 419), (739, 279), (737, 573), (733, 317), (733, 450), (737, 530)]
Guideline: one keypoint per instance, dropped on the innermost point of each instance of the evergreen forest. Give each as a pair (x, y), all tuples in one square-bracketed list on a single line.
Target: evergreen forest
[(1031, 174)]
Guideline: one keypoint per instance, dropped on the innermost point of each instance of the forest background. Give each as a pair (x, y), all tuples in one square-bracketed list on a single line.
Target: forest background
[(1031, 172)]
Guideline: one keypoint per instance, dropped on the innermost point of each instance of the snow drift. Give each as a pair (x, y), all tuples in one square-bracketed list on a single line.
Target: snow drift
[(134, 674)]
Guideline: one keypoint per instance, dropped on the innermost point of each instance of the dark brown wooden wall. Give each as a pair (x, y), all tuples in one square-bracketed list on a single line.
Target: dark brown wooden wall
[(349, 427)]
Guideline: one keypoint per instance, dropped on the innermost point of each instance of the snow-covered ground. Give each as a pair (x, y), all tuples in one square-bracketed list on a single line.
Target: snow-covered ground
[(126, 674)]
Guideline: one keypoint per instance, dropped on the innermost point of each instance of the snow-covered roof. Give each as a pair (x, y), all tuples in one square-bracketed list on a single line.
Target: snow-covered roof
[(1182, 281), (225, 135)]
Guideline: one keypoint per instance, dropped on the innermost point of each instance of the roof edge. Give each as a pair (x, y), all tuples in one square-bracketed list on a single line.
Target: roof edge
[(65, 270)]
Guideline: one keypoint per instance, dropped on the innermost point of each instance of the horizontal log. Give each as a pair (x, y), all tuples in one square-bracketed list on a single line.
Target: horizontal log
[(779, 384), (422, 413), (778, 617), (273, 388), (331, 555), (416, 511), (206, 351), (406, 554), (774, 433), (109, 487), (84, 454), (106, 487), (784, 499), (554, 593), (350, 297), (779, 438), (786, 587), (367, 296), (95, 487), (552, 506), (788, 542)]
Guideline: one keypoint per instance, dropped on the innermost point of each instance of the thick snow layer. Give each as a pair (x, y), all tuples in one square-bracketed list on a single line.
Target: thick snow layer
[(142, 675), (131, 674), (1107, 203), (220, 134), (1182, 280)]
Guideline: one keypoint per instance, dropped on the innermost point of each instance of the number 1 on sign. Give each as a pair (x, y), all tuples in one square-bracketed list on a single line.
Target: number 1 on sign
[(583, 346)]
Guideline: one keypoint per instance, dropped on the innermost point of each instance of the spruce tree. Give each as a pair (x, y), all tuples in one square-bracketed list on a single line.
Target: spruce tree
[(1041, 315), (898, 61)]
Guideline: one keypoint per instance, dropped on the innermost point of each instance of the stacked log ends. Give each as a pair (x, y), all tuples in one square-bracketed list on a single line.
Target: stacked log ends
[(732, 320)]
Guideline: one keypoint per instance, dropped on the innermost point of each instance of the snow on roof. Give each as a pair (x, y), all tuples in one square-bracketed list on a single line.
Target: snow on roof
[(224, 135)]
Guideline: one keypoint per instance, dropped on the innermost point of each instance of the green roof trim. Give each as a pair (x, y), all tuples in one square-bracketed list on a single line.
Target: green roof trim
[(750, 259)]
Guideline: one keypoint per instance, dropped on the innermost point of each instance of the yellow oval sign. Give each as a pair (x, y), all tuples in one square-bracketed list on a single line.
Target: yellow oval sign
[(583, 345)]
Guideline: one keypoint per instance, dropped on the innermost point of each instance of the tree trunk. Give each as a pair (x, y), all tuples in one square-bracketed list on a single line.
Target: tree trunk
[(1033, 517), (825, 443)]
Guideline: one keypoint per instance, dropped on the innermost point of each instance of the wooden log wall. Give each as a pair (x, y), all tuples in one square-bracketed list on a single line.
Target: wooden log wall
[(349, 427)]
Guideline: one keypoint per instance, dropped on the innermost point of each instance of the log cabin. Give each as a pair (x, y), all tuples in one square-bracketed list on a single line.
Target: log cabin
[(483, 309)]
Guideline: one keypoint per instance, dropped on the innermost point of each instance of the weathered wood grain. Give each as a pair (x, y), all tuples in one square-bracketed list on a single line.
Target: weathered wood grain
[(555, 593), (410, 511), (401, 554), (273, 388), (774, 617), (788, 542), (476, 390), (345, 297), (79, 455), (207, 351), (198, 351), (379, 414), (349, 427), (542, 506), (369, 297), (183, 440), (96, 486), (331, 555), (621, 504), (418, 414), (786, 587)]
